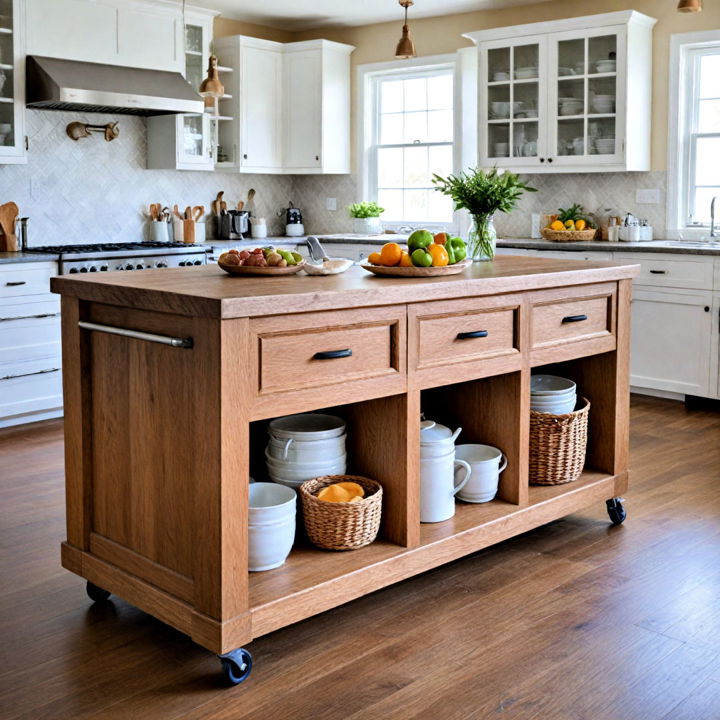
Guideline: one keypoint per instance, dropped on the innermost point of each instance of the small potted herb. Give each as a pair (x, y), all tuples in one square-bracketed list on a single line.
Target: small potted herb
[(367, 218), (482, 193)]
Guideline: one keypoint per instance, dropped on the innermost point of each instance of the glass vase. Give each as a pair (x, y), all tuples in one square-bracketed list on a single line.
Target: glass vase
[(482, 238)]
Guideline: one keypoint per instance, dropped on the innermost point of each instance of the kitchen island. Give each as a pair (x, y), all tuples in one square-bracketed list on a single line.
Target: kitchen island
[(170, 377)]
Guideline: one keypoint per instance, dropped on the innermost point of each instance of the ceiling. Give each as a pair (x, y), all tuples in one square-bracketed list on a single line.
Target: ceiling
[(297, 15)]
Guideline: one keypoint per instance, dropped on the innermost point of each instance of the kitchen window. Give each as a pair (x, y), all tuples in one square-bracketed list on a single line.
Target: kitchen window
[(694, 132), (408, 135)]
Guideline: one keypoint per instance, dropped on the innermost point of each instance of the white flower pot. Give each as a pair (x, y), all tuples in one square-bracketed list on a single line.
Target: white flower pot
[(367, 226)]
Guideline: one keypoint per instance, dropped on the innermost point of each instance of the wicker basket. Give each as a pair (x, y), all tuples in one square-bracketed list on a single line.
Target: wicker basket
[(341, 526), (557, 446), (569, 235)]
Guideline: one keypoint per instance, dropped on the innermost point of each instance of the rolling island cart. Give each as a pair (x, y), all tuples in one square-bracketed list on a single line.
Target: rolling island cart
[(170, 377)]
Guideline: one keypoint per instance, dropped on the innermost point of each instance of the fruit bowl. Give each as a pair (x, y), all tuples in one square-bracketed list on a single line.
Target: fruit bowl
[(568, 235), (255, 270), (397, 271)]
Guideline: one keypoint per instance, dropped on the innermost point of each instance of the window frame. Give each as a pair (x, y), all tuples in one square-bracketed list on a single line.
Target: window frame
[(685, 52), (368, 84)]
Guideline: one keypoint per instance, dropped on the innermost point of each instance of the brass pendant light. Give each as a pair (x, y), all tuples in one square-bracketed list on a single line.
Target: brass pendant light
[(405, 48), (690, 6), (211, 85)]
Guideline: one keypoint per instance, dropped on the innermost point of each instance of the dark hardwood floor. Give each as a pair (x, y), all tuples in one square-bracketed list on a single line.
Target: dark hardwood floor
[(576, 620)]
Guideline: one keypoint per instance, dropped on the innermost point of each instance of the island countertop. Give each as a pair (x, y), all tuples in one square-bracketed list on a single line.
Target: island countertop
[(210, 292)]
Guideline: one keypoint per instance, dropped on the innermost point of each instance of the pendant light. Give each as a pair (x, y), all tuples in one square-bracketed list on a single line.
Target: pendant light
[(405, 48), (690, 6), (211, 86)]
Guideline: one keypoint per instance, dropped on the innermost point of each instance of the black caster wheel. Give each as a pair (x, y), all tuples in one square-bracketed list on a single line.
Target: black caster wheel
[(95, 593), (616, 511), (236, 665)]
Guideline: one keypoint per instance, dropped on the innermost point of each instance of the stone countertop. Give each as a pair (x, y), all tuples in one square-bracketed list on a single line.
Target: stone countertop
[(23, 257), (680, 247), (339, 238)]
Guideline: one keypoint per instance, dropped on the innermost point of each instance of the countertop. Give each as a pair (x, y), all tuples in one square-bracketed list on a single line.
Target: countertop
[(207, 291), (684, 247), (23, 257)]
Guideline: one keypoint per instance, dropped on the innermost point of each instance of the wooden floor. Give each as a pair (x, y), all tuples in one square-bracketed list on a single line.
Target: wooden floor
[(575, 620)]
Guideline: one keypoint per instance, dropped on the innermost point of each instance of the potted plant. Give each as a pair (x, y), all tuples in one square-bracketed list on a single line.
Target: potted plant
[(482, 193), (367, 217)]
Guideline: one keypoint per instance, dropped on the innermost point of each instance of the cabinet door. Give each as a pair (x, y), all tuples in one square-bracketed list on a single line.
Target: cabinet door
[(260, 105), (586, 107), (12, 85), (511, 102), (671, 341), (303, 119), (193, 150), (149, 37)]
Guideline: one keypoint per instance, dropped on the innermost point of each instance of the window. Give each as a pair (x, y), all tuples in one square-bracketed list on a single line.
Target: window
[(694, 170), (409, 134)]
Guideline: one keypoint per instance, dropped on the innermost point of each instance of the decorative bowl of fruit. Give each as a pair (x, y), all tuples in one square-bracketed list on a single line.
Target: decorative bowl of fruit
[(261, 261), (571, 225), (427, 255)]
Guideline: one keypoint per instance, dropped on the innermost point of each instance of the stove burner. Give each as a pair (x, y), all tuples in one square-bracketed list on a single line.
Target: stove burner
[(105, 247)]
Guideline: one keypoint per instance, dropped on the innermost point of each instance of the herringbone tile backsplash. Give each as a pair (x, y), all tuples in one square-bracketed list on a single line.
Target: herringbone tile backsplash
[(95, 191)]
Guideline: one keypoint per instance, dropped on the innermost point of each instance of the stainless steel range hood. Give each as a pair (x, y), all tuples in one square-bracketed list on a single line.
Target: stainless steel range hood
[(54, 84)]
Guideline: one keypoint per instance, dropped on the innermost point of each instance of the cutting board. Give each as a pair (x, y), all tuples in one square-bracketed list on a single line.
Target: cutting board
[(8, 215)]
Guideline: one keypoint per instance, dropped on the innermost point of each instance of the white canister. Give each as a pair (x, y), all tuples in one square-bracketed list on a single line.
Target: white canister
[(271, 525), (258, 227), (436, 439), (486, 463), (159, 231), (438, 486)]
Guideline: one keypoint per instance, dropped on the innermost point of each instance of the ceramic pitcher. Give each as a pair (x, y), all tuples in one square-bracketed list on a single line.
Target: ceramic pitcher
[(438, 486)]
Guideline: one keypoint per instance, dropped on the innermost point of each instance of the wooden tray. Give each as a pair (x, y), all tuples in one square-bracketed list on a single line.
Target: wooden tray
[(455, 269), (252, 270)]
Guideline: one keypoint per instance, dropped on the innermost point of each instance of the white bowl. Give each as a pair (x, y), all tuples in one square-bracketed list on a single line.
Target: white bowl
[(500, 109), (606, 66), (328, 458), (5, 128), (605, 146), (540, 401), (500, 76), (292, 450), (298, 478), (526, 73), (542, 384), (559, 406), (271, 525), (307, 426), (559, 410), (501, 149)]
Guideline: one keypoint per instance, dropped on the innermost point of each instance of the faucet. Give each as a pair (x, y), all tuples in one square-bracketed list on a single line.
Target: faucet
[(712, 218)]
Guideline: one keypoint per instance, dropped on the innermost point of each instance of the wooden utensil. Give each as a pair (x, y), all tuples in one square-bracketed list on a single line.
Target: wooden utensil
[(249, 202), (241, 205), (217, 203), (8, 215), (188, 213), (176, 212), (189, 231), (197, 212)]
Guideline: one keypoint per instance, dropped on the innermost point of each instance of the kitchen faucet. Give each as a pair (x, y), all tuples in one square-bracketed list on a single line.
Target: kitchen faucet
[(712, 218)]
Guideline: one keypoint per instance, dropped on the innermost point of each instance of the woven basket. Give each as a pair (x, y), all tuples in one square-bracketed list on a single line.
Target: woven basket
[(341, 526), (557, 446), (568, 235)]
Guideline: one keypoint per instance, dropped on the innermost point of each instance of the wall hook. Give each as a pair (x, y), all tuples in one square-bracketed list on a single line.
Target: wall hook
[(77, 130)]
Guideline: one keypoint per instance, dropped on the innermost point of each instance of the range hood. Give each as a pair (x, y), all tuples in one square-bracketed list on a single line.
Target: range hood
[(55, 84)]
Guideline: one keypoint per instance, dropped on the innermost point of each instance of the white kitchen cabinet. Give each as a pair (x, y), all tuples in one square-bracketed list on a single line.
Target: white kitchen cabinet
[(316, 117), (30, 362), (568, 95), (135, 33), (12, 79), (185, 142)]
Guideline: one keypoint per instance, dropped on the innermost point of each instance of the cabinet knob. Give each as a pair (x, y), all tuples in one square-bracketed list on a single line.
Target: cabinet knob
[(549, 160), (707, 308), (317, 157), (542, 159), (244, 156)]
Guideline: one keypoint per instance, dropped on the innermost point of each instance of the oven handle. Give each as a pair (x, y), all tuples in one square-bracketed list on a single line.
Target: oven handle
[(177, 342)]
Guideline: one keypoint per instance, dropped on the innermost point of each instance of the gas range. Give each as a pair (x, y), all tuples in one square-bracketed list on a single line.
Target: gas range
[(104, 257)]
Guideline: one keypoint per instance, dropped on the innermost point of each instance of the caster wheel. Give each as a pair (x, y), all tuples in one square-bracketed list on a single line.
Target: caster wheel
[(95, 593), (616, 511), (236, 665)]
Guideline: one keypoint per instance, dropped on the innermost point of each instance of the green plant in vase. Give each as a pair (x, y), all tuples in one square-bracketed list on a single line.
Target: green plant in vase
[(366, 217), (482, 193)]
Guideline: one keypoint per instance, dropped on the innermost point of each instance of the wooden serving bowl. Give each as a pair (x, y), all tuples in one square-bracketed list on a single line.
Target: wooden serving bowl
[(253, 270)]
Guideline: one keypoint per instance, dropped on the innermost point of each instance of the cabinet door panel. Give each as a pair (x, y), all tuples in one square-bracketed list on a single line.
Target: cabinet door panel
[(149, 37), (304, 121), (670, 345)]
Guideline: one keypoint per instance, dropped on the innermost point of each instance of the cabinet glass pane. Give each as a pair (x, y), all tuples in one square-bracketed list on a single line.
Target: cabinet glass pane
[(602, 54), (193, 38), (571, 97), (525, 62), (571, 57), (525, 139), (571, 137), (193, 55), (192, 135), (498, 140), (499, 65), (7, 75), (601, 136)]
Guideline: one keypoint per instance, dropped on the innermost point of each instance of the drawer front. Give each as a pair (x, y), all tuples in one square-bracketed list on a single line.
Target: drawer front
[(572, 315), (17, 279), (302, 352), (35, 307), (37, 389), (676, 271)]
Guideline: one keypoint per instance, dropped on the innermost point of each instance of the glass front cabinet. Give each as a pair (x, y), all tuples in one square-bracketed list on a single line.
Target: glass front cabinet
[(567, 96), (12, 84)]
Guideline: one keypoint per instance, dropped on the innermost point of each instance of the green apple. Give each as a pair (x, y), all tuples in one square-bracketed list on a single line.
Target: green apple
[(420, 239)]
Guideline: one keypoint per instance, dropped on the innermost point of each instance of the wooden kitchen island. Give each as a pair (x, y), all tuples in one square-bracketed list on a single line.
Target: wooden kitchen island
[(164, 424)]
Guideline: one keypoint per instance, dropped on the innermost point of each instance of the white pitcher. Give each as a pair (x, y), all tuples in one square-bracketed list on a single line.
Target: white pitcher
[(438, 486)]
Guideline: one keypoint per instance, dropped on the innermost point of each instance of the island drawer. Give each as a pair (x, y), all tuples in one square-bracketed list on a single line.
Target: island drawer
[(578, 316), (470, 335), (338, 349)]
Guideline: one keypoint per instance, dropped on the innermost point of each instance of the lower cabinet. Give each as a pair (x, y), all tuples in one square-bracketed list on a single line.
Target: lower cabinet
[(671, 341)]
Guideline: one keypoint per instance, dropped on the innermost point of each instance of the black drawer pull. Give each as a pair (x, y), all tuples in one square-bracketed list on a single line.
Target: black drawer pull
[(16, 283), (472, 334), (658, 272), (332, 354), (574, 318)]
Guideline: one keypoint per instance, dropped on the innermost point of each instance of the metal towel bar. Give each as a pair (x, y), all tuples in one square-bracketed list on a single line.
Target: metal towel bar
[(138, 335)]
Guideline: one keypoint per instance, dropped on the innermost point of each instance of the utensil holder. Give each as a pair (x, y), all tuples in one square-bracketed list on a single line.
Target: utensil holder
[(185, 231), (159, 231)]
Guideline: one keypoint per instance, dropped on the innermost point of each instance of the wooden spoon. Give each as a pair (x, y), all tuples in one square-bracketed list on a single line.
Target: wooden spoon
[(8, 215), (217, 203), (176, 212), (241, 205), (197, 212), (251, 195), (188, 213)]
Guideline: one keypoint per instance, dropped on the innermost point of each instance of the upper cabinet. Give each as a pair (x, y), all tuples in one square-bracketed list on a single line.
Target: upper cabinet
[(136, 33), (289, 106), (566, 96), (12, 84)]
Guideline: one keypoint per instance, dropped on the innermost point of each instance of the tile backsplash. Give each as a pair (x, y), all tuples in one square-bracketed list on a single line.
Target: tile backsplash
[(94, 191)]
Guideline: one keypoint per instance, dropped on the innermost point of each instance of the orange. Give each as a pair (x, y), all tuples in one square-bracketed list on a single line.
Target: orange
[(334, 493), (405, 260), (557, 225), (580, 224), (353, 488), (375, 258), (439, 255), (390, 254)]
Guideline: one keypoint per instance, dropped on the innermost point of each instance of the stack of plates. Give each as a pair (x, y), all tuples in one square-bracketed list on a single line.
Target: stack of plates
[(552, 394)]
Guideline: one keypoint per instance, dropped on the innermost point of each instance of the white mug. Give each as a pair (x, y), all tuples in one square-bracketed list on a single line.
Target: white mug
[(271, 525), (438, 486), (486, 463)]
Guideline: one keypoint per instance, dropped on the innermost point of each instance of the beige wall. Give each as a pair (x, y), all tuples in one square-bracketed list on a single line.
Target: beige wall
[(225, 26), (432, 36)]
